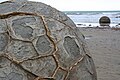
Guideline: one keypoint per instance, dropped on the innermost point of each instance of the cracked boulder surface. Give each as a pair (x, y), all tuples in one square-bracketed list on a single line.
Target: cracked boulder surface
[(38, 42)]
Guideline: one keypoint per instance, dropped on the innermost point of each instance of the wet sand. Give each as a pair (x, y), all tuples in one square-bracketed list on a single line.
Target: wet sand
[(104, 45)]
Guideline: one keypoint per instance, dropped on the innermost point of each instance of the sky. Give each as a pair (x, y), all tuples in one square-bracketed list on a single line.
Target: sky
[(82, 5)]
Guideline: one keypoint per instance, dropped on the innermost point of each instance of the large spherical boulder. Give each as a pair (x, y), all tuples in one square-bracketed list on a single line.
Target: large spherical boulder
[(38, 42), (104, 21)]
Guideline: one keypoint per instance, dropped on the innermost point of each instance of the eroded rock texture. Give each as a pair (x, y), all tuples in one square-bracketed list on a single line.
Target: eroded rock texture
[(38, 42)]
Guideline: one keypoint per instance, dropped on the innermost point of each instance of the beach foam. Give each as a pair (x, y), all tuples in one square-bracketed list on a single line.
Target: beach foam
[(91, 18)]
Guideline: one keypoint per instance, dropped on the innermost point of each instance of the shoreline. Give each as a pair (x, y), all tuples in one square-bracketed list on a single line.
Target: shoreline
[(95, 25), (102, 28)]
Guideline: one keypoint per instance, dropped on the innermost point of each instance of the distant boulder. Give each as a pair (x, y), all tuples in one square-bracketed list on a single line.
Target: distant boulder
[(104, 21), (117, 17)]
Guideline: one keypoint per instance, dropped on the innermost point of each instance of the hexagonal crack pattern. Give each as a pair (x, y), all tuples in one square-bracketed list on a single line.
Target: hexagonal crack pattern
[(81, 69), (43, 45), (26, 27), (20, 50), (60, 74), (71, 47), (43, 67), (11, 71), (69, 52), (23, 51)]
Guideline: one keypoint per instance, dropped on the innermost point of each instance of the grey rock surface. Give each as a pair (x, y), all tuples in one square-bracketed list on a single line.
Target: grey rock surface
[(38, 42)]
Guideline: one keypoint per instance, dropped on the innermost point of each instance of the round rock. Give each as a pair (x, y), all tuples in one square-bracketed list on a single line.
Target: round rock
[(39, 42), (104, 21)]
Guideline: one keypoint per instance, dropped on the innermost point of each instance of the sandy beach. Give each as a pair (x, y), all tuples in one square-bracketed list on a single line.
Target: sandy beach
[(104, 45)]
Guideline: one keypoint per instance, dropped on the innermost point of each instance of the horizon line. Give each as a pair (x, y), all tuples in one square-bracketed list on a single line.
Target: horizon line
[(90, 10)]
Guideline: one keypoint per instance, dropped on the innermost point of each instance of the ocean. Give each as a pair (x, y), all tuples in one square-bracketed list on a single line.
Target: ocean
[(91, 18)]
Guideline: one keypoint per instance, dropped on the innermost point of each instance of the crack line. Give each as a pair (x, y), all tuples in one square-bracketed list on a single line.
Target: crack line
[(17, 63)]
